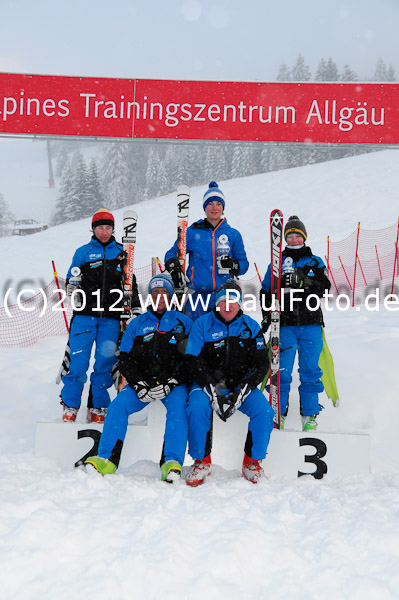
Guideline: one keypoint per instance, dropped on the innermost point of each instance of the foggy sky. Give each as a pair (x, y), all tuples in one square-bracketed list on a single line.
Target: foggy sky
[(230, 40)]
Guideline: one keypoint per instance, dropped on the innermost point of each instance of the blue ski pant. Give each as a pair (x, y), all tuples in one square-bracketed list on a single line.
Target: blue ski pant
[(307, 340), (255, 406), (127, 403), (85, 331)]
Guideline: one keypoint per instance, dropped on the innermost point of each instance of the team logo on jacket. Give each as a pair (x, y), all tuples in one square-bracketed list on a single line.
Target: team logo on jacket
[(217, 334), (94, 256), (148, 337), (178, 329), (244, 335), (217, 345), (260, 344), (96, 264)]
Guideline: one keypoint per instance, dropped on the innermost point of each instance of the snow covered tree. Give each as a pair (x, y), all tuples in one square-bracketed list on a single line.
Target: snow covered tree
[(215, 167), (380, 73), (94, 189), (327, 71), (332, 72), (391, 73), (80, 205), (300, 71), (62, 212), (284, 73), (116, 171), (348, 74), (151, 176), (6, 216), (321, 71)]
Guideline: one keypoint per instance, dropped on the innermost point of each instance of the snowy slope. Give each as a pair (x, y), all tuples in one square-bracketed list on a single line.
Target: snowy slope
[(73, 535)]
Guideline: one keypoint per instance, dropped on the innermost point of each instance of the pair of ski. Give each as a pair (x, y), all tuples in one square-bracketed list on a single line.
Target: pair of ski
[(276, 235), (129, 244)]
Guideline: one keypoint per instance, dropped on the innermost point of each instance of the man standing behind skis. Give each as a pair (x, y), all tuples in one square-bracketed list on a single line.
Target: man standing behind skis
[(216, 252), (302, 275), (227, 357), (151, 359), (99, 267)]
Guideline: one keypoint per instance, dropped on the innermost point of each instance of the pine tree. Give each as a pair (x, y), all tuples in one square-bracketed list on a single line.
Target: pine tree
[(380, 73), (94, 189), (332, 72), (391, 73), (284, 73), (216, 166), (348, 74), (151, 176), (80, 205), (6, 216), (116, 170), (321, 71), (62, 212), (300, 71)]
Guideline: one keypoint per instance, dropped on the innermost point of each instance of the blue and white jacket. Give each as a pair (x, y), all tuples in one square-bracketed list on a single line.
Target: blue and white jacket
[(101, 269), (204, 244)]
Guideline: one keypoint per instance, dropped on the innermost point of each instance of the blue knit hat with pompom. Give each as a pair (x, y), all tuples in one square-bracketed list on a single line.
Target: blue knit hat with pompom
[(163, 280), (213, 194)]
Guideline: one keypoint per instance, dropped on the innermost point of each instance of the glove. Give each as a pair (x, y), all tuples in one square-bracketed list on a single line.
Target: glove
[(179, 279), (226, 262), (223, 403), (163, 389), (135, 312), (243, 392), (293, 280), (265, 324), (142, 390)]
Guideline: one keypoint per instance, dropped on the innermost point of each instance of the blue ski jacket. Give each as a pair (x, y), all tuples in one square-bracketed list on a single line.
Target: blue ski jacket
[(101, 269), (204, 244), (232, 353)]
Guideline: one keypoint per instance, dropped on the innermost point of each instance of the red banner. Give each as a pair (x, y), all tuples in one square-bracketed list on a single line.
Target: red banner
[(340, 113)]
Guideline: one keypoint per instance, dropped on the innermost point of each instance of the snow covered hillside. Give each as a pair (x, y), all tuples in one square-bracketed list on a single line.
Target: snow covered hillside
[(68, 534)]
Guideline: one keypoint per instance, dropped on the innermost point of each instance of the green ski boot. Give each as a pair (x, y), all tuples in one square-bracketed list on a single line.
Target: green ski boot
[(170, 471), (102, 465), (309, 423)]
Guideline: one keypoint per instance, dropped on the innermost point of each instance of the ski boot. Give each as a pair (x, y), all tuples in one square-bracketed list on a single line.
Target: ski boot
[(170, 471), (251, 469), (69, 413), (309, 423), (96, 415), (199, 471), (102, 465)]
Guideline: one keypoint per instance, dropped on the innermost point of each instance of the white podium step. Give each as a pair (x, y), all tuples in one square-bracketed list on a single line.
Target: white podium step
[(290, 453)]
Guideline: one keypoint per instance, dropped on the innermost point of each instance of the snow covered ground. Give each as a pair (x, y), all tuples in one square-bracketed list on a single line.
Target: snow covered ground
[(68, 534)]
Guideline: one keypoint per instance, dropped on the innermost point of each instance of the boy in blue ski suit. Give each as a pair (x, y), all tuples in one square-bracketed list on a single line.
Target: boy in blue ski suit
[(216, 253), (99, 265), (151, 359), (301, 327), (227, 358)]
